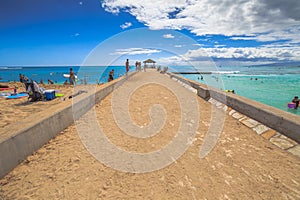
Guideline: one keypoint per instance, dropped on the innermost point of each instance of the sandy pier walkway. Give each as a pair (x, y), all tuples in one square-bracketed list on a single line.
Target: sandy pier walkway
[(242, 165)]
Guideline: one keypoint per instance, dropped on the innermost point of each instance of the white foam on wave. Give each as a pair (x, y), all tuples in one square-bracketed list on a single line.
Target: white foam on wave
[(11, 68), (225, 72)]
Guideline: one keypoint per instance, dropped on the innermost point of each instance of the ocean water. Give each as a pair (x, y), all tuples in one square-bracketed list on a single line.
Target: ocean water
[(274, 86), (90, 74)]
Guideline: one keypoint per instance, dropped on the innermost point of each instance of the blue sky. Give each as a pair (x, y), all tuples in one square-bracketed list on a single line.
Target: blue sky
[(69, 32)]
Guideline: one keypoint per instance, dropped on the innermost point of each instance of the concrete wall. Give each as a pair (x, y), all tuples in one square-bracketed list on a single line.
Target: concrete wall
[(17, 146), (279, 120)]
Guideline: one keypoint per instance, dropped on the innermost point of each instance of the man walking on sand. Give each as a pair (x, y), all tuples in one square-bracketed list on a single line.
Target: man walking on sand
[(127, 66), (72, 77)]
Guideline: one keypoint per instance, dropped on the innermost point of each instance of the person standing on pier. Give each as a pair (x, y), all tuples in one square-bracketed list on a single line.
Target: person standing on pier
[(136, 65), (127, 66)]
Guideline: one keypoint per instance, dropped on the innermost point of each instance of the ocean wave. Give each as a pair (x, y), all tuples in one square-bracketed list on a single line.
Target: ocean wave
[(225, 72), (259, 75), (10, 68)]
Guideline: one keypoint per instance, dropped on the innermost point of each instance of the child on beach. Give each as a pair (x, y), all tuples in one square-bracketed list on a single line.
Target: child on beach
[(66, 82), (15, 91)]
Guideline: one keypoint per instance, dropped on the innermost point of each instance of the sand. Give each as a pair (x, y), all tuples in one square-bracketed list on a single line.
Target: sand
[(13, 110), (242, 165), (16, 112)]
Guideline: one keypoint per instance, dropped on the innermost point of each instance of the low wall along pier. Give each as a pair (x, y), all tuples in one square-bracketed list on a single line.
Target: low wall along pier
[(14, 148), (281, 121)]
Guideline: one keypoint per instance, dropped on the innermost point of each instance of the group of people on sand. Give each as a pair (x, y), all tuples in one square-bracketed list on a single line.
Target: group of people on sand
[(111, 72), (23, 78), (138, 66), (72, 79)]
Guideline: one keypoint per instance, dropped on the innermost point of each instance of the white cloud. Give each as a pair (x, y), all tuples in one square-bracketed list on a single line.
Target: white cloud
[(75, 35), (246, 54), (183, 61), (126, 25), (210, 57), (178, 46), (173, 61), (243, 38), (135, 51), (199, 45), (169, 36), (276, 21), (220, 45), (264, 20)]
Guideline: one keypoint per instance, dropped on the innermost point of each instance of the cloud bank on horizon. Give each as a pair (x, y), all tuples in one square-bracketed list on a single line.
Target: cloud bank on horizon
[(275, 25)]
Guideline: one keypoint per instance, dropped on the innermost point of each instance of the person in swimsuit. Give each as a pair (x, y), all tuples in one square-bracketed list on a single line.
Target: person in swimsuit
[(296, 102), (21, 78), (111, 75), (72, 77), (50, 81), (127, 66)]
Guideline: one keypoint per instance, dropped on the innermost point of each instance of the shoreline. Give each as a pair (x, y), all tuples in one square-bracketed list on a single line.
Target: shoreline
[(13, 110)]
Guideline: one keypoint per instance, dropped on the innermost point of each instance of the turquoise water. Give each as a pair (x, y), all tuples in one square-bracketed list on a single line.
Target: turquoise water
[(274, 86)]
